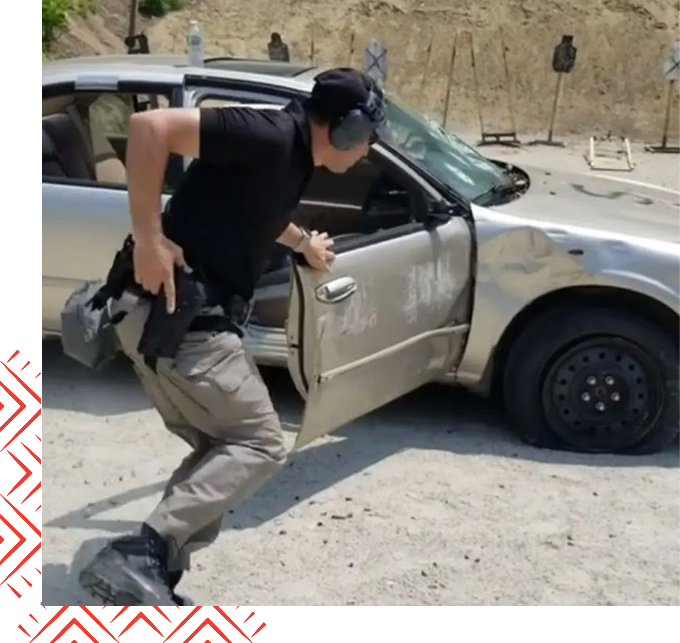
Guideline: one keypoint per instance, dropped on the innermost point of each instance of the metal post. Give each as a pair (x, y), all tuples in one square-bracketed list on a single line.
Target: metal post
[(558, 91), (143, 48), (476, 81), (132, 25), (507, 81), (671, 74), (450, 81), (423, 80), (311, 47), (667, 120)]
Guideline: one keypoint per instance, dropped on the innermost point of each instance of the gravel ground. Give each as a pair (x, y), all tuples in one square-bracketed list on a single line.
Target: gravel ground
[(430, 500)]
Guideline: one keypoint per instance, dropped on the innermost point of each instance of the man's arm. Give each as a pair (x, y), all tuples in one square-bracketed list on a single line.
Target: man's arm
[(316, 248), (292, 237), (216, 135), (154, 135)]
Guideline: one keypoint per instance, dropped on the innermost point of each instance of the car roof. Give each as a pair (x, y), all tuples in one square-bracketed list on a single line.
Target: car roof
[(172, 67)]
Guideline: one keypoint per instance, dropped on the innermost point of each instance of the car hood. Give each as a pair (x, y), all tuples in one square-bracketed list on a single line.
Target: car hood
[(598, 202)]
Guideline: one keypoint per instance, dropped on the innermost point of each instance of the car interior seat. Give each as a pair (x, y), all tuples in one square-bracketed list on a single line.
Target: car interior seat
[(71, 149), (65, 150), (108, 167)]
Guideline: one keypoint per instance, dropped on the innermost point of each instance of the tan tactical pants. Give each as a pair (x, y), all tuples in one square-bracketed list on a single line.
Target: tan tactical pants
[(212, 396)]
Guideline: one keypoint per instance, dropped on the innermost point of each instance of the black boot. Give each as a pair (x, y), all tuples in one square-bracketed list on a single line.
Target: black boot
[(131, 570), (175, 577)]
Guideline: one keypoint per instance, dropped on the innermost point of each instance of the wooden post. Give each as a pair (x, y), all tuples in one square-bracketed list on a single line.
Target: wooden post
[(351, 49), (132, 24), (132, 31), (558, 91), (507, 81), (476, 81), (311, 47), (667, 120), (450, 81), (423, 80)]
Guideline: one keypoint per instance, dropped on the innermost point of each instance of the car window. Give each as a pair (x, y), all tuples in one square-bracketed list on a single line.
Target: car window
[(110, 113), (349, 188), (85, 140), (370, 197), (440, 153)]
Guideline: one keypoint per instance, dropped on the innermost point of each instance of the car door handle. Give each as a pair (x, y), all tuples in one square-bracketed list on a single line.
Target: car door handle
[(336, 291)]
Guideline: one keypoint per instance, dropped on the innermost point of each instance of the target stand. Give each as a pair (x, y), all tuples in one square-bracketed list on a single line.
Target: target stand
[(507, 138), (137, 44), (500, 138), (551, 128), (605, 154), (563, 62), (665, 148), (671, 74)]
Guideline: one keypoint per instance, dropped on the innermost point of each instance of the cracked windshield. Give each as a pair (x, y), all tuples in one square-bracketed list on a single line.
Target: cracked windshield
[(439, 153)]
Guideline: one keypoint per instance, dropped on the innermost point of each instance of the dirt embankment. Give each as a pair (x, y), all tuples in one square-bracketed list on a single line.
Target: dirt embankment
[(616, 85)]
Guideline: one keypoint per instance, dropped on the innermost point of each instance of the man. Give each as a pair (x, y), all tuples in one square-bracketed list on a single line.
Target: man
[(277, 49), (235, 202)]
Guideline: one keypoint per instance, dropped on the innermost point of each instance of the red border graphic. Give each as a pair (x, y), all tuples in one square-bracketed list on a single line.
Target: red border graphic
[(27, 620)]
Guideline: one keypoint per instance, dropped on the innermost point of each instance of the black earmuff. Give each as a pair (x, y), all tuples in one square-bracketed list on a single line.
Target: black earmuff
[(360, 124)]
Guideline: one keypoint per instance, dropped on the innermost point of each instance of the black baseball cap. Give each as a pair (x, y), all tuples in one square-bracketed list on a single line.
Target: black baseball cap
[(337, 91)]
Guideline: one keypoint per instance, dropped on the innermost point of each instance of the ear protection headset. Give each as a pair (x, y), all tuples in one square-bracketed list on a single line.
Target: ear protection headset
[(360, 124)]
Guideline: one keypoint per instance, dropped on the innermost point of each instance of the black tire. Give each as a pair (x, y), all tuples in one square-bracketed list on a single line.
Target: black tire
[(593, 379)]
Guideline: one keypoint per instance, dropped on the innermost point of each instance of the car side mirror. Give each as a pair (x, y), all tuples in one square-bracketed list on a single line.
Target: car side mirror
[(438, 214), (433, 221)]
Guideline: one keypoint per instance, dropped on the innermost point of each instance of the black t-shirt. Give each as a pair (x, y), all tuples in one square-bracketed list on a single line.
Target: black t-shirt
[(239, 196)]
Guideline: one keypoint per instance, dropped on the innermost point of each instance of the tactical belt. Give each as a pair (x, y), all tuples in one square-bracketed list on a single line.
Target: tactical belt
[(163, 333), (215, 324), (237, 314)]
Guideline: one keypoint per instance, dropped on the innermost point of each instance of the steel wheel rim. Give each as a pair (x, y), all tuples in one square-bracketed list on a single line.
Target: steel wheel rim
[(603, 393)]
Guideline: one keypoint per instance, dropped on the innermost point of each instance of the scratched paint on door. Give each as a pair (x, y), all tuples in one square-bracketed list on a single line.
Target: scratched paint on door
[(428, 285), (359, 312)]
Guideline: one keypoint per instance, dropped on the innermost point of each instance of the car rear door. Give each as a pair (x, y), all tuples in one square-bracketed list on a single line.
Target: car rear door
[(391, 316)]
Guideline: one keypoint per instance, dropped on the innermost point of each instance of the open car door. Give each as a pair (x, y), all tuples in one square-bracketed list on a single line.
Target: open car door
[(391, 316)]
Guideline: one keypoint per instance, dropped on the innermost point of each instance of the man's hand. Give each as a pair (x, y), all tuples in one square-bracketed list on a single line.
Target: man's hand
[(154, 262), (318, 253)]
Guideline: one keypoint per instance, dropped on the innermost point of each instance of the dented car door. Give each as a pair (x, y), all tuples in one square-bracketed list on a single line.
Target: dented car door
[(391, 316)]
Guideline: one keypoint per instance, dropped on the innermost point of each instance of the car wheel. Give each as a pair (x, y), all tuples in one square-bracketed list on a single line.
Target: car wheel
[(593, 379)]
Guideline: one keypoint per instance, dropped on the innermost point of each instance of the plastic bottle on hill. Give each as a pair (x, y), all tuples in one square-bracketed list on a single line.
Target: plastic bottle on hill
[(194, 45)]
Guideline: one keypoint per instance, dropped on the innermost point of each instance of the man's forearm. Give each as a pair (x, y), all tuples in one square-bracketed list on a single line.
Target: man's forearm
[(291, 236), (147, 157)]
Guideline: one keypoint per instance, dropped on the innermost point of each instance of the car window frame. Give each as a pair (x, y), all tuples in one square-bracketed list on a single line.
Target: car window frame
[(378, 236), (434, 130)]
